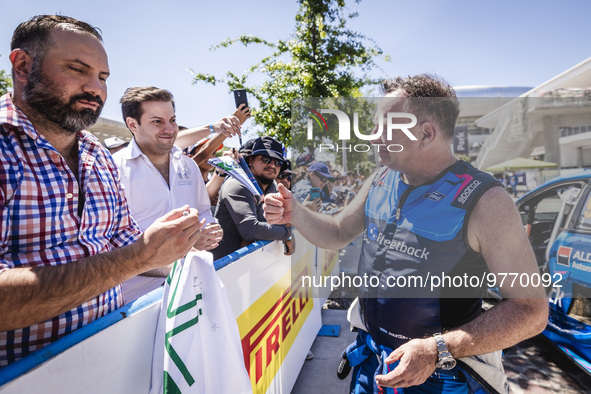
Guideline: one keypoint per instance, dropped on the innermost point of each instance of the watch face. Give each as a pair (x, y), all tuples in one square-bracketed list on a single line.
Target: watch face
[(446, 363)]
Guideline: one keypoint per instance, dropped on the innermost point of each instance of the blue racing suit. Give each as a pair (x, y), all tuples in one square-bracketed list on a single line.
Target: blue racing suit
[(413, 234)]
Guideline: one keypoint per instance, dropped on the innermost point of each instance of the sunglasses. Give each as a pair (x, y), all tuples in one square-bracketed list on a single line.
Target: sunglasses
[(321, 177), (283, 175), (268, 160)]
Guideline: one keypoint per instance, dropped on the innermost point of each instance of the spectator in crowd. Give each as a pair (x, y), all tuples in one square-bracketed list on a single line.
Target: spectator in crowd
[(340, 193), (336, 194), (514, 180), (115, 144), (284, 176), (239, 213), (318, 177), (299, 174), (67, 238), (212, 177), (246, 149), (503, 179), (352, 183), (153, 166), (193, 152), (327, 189), (304, 159), (207, 148), (360, 181), (228, 126)]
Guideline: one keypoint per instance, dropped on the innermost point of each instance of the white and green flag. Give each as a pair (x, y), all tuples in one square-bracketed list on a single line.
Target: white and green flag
[(197, 345), (227, 165)]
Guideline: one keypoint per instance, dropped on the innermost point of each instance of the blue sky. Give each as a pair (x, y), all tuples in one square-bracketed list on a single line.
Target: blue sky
[(503, 42)]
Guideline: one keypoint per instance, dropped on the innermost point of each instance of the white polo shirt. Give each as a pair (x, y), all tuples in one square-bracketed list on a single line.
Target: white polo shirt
[(148, 195)]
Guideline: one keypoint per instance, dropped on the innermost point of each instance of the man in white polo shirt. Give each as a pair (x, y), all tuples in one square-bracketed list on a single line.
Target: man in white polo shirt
[(156, 175)]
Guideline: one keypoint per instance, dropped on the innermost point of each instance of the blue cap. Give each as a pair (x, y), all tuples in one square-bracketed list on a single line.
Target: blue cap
[(320, 168)]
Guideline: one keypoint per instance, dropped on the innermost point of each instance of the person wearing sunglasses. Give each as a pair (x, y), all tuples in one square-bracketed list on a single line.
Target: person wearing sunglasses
[(284, 176), (311, 190), (237, 210)]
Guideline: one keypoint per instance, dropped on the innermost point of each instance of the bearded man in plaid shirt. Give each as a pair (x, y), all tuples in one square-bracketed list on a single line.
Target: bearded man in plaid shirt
[(67, 239)]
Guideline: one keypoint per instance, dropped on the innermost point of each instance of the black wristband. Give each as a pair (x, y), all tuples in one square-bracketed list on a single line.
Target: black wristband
[(221, 174)]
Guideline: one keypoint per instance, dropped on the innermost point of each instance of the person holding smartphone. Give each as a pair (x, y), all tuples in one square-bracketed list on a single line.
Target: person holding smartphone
[(310, 190)]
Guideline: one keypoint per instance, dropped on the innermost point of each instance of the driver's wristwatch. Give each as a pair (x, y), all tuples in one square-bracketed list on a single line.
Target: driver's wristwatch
[(445, 360)]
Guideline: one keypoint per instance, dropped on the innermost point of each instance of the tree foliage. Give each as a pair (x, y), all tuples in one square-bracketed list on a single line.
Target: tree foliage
[(322, 58), (5, 82)]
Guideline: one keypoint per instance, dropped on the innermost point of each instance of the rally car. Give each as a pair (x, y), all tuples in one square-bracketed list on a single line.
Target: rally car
[(557, 219)]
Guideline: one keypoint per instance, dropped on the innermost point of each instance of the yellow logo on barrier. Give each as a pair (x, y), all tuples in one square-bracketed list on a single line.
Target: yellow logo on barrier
[(270, 325)]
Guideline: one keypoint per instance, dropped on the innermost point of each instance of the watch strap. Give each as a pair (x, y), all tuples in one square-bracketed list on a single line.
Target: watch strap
[(444, 358)]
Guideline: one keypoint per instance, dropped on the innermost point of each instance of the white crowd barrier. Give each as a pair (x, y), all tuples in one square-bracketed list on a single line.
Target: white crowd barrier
[(277, 318)]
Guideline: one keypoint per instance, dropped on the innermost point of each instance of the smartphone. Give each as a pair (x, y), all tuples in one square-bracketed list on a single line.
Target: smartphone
[(314, 193), (240, 97)]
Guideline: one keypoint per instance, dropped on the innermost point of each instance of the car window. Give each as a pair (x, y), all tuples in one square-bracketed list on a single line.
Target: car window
[(547, 208), (580, 307), (584, 221)]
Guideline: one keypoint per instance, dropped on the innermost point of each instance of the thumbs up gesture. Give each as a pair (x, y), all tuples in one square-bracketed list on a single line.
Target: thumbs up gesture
[(277, 206)]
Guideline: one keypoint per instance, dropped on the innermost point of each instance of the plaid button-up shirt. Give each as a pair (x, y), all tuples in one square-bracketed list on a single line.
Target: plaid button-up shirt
[(40, 225)]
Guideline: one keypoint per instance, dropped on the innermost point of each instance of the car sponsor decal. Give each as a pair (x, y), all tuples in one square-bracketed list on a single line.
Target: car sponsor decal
[(563, 256)]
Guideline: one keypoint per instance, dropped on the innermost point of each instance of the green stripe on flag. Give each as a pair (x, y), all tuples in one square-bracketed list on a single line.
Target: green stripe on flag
[(170, 386), (176, 359), (170, 313)]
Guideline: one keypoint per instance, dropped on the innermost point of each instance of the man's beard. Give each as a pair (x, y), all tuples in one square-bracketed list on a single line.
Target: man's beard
[(42, 94), (264, 180)]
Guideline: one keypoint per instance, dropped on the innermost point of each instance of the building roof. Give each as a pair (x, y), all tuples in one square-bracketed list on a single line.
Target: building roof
[(575, 77), (517, 125), (105, 128), (490, 91)]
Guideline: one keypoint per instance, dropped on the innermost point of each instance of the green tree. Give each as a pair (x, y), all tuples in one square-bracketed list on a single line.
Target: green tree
[(322, 58), (5, 82)]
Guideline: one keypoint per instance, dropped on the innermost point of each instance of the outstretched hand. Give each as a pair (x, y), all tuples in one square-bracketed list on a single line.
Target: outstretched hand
[(229, 126), (277, 206), (211, 235)]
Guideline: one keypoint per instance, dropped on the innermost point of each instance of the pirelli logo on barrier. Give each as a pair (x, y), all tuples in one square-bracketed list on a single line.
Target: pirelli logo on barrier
[(270, 325)]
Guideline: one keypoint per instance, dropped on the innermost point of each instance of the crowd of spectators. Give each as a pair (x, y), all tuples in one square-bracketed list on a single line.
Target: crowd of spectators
[(79, 218), (152, 164), (323, 189), (219, 198)]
